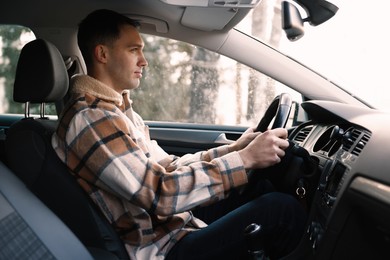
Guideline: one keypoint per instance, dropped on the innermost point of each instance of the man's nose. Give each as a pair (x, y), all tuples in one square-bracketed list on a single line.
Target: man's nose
[(143, 62)]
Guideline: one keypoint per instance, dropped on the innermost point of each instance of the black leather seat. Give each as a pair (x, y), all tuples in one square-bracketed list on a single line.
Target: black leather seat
[(41, 77)]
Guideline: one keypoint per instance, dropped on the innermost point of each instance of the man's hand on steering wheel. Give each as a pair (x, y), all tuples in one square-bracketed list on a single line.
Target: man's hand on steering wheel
[(244, 140), (265, 150), (279, 108), (260, 148)]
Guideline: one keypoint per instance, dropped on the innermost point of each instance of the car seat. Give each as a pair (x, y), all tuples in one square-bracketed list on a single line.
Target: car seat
[(28, 229), (41, 77)]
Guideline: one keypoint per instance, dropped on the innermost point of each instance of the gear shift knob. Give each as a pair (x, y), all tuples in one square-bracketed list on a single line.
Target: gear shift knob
[(254, 239)]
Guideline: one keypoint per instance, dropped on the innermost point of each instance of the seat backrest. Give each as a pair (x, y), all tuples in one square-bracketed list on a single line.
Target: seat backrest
[(41, 77), (28, 229)]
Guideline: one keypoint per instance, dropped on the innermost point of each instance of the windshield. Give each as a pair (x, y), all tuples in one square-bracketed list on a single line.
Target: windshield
[(351, 49)]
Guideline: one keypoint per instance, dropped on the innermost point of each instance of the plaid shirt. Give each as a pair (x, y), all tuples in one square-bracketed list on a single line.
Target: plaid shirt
[(145, 193)]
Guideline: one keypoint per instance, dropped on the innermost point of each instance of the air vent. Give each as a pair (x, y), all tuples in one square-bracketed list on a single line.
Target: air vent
[(355, 140), (303, 133)]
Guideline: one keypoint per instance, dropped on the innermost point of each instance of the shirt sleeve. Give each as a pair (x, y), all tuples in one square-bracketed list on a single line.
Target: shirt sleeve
[(101, 149)]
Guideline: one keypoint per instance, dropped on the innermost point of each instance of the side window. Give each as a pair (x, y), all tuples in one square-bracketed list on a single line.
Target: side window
[(12, 40), (187, 84)]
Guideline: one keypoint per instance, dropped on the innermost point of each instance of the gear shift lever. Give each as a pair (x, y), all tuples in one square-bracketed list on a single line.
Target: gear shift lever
[(254, 240)]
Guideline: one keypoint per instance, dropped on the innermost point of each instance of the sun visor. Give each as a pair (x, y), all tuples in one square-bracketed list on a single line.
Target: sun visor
[(214, 3), (210, 15), (207, 19), (154, 24)]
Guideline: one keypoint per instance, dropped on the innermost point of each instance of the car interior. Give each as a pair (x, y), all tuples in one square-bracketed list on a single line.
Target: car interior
[(337, 162)]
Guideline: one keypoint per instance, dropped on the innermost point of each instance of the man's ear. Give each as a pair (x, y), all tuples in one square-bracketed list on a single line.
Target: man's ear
[(101, 53)]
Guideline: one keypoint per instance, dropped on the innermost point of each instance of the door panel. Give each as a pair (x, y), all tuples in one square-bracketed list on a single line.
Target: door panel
[(179, 139)]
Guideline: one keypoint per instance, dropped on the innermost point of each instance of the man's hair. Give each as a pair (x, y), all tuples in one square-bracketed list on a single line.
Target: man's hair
[(100, 27)]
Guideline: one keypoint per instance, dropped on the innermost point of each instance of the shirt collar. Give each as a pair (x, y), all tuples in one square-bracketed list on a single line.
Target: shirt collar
[(85, 83)]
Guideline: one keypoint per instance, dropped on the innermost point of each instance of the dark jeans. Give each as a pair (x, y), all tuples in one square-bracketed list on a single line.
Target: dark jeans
[(281, 216)]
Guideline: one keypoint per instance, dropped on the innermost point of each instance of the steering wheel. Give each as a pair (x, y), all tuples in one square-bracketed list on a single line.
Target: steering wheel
[(280, 109), (296, 168)]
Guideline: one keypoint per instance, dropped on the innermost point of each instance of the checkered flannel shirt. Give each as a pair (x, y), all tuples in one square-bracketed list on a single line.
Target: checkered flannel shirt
[(145, 193)]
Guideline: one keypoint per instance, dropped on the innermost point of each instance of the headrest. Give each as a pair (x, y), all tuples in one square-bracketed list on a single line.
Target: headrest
[(41, 74)]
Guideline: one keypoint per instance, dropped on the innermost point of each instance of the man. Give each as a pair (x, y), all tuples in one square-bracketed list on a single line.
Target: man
[(150, 197)]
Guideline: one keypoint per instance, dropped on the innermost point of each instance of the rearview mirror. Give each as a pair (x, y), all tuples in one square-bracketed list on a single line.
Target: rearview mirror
[(292, 22)]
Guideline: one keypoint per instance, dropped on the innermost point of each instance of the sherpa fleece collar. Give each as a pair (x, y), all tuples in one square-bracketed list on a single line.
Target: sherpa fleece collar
[(85, 83)]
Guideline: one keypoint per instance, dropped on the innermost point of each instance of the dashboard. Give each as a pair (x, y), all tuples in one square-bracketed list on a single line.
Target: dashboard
[(350, 210)]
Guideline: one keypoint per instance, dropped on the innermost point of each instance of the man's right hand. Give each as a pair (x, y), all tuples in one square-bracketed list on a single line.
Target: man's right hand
[(265, 150)]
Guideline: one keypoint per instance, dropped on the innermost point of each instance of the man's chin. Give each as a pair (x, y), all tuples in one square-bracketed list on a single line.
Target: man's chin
[(134, 84)]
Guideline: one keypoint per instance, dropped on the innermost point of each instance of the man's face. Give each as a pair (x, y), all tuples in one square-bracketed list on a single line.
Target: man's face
[(126, 59)]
